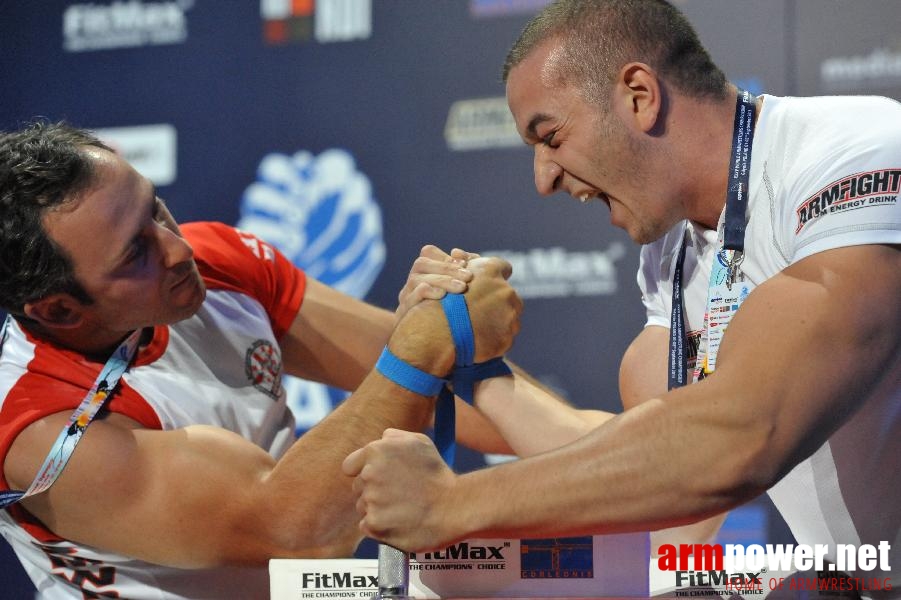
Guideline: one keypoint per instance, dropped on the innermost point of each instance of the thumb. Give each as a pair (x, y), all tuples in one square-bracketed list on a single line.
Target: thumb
[(354, 462), (392, 433)]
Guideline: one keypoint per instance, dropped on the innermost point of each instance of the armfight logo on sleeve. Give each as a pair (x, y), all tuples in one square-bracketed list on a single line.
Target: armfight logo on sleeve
[(319, 211), (851, 193)]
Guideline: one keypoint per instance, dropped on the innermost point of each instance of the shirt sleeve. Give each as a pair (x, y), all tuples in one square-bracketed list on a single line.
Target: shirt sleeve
[(655, 295), (236, 260), (845, 194)]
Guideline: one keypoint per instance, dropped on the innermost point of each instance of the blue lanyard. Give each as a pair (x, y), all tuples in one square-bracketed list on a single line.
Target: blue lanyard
[(678, 363), (733, 234), (73, 431)]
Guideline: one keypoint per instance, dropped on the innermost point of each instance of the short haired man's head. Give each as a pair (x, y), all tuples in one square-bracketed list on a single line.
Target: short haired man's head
[(42, 167), (598, 37)]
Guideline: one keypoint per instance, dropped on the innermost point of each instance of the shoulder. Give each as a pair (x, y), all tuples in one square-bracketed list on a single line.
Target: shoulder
[(821, 126), (833, 167), (230, 258), (831, 110), (213, 242)]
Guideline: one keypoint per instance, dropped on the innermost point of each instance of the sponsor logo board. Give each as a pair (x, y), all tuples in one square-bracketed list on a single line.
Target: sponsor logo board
[(91, 26)]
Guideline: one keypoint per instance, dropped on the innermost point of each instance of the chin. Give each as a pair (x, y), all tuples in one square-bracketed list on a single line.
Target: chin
[(643, 240), (201, 296), (639, 236), (181, 316), (645, 234), (189, 310)]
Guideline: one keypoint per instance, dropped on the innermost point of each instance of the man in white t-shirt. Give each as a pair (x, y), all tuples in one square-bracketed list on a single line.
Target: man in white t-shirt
[(800, 397)]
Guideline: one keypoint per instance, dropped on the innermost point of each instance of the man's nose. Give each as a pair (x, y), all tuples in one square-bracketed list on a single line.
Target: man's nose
[(547, 172), (174, 248)]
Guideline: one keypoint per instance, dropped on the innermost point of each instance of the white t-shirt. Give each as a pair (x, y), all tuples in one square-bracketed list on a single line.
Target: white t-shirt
[(220, 367), (825, 173)]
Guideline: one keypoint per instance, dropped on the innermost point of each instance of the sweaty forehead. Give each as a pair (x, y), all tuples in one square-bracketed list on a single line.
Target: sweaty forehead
[(112, 171), (102, 169), (103, 161), (542, 62), (535, 89), (552, 68)]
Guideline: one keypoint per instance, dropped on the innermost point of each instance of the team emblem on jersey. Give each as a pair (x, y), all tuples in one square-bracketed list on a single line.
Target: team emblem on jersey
[(320, 212), (851, 193), (263, 366)]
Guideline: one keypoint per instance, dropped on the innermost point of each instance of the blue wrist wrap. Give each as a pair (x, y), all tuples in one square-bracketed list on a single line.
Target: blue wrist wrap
[(406, 375), (463, 378), (465, 374)]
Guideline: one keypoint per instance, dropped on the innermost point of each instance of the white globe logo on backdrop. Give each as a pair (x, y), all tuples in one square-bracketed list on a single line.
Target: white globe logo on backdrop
[(320, 213)]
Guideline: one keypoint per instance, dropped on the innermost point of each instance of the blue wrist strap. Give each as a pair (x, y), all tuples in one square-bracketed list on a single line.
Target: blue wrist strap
[(407, 376), (457, 314), (463, 378)]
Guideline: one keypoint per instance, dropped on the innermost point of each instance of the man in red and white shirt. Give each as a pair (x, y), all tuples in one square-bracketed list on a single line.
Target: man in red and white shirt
[(191, 468)]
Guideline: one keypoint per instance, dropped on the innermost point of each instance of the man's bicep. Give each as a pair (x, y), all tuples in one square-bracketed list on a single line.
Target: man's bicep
[(642, 376), (335, 338), (642, 373), (811, 344), (170, 497)]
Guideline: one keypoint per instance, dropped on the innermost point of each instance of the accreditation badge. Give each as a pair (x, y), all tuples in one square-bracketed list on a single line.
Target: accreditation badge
[(727, 290)]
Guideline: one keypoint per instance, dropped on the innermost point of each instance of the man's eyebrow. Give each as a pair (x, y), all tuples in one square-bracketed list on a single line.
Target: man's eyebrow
[(532, 128)]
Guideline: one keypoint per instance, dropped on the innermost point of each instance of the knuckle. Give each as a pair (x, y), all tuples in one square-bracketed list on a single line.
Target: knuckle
[(368, 474)]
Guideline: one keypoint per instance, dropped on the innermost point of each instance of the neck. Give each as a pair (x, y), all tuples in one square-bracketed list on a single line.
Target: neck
[(95, 345), (709, 148)]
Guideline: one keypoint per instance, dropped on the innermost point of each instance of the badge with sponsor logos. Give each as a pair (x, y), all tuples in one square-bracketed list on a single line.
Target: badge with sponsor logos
[(727, 290)]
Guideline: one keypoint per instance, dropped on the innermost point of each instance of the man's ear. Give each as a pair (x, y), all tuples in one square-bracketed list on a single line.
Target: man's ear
[(56, 311), (640, 94)]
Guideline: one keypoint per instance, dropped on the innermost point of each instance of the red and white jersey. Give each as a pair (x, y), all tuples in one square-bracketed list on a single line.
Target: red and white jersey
[(220, 367), (825, 173)]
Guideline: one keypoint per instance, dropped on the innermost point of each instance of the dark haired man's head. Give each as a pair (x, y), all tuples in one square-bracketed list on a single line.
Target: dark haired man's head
[(42, 167)]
